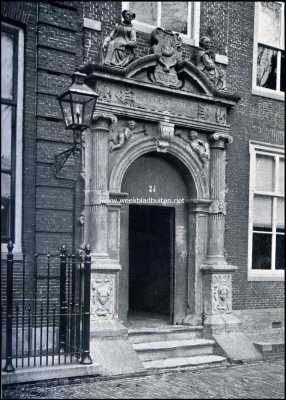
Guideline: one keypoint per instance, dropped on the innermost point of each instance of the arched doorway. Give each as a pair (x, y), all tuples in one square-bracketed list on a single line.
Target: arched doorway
[(154, 238)]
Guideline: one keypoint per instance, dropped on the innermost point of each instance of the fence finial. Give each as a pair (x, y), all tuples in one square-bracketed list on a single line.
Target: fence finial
[(63, 249), (10, 246), (87, 249)]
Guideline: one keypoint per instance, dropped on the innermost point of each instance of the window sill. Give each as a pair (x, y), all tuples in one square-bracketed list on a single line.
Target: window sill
[(145, 28), (265, 277), (268, 93)]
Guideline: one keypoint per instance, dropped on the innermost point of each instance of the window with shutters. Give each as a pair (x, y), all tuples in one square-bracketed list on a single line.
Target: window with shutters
[(266, 212)]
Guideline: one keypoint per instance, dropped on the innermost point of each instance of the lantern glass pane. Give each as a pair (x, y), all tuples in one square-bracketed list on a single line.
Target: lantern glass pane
[(88, 111), (67, 111), (78, 113)]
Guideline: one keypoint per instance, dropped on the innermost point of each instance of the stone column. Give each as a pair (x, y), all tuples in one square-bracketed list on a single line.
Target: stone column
[(217, 273), (198, 210), (108, 337)]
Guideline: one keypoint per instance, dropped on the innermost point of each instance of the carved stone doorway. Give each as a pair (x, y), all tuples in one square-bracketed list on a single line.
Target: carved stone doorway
[(151, 261)]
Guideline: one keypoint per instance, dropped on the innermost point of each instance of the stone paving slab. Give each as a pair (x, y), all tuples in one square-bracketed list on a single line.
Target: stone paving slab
[(262, 380)]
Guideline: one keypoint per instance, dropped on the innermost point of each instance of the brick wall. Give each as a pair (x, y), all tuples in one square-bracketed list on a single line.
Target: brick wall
[(55, 44)]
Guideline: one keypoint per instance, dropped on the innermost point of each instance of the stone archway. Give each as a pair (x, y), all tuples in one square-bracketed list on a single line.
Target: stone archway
[(196, 204)]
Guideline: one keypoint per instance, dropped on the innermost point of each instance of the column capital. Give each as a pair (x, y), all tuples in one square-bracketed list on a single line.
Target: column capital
[(218, 207), (199, 205), (218, 140), (103, 120)]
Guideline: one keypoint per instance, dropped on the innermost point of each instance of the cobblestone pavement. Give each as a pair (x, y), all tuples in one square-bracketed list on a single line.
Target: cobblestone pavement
[(264, 380)]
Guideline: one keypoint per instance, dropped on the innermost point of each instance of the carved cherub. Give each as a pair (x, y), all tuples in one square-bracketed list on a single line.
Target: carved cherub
[(199, 146), (124, 135)]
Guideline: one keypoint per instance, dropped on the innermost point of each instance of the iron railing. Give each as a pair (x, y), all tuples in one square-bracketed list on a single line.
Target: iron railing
[(45, 314)]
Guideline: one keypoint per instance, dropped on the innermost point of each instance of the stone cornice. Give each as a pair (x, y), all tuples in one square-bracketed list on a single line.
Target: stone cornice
[(91, 80), (157, 116)]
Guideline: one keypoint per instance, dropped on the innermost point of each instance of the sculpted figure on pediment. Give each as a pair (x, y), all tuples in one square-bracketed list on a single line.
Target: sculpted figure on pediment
[(118, 46), (206, 63)]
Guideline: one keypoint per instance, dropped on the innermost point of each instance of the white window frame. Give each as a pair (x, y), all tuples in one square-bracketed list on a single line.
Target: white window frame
[(193, 35), (258, 90), (17, 251), (277, 152)]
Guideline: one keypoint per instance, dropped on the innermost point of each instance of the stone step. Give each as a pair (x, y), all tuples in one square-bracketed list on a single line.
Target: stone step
[(173, 348), (159, 334), (271, 349), (174, 362)]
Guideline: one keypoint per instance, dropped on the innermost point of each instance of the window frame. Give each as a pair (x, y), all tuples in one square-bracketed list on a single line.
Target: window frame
[(193, 23), (277, 152), (17, 137), (258, 90)]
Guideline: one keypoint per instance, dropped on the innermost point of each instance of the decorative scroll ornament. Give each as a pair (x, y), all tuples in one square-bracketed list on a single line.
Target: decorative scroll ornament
[(221, 293), (118, 46), (203, 112), (218, 207), (124, 135), (166, 134), (102, 296), (126, 97), (167, 46), (104, 94), (206, 63), (220, 115)]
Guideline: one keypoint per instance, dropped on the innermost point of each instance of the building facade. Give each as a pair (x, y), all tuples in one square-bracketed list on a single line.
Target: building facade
[(181, 191)]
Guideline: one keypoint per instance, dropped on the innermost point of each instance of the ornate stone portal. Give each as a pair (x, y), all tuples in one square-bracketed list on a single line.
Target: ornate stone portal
[(175, 125)]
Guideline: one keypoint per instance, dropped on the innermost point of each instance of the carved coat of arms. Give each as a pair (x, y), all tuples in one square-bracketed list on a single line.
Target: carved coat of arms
[(167, 46)]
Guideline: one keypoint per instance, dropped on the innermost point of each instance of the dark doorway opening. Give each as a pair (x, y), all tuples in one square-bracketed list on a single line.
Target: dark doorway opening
[(151, 252)]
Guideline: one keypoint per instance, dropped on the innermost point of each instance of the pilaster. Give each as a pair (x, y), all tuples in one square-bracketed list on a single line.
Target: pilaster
[(108, 337), (217, 273)]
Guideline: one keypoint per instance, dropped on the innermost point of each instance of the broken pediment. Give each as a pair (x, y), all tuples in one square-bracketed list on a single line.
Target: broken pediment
[(189, 78)]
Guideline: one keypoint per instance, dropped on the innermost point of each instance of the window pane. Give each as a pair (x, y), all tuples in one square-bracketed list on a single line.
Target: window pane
[(146, 11), (174, 16), (6, 65), (264, 174), (281, 176), (266, 67), (280, 252), (280, 223), (5, 205), (282, 72), (261, 251), (269, 26), (6, 134), (262, 213)]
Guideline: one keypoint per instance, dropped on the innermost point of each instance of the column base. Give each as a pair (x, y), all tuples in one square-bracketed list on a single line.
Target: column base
[(193, 320), (220, 324), (103, 262), (111, 349)]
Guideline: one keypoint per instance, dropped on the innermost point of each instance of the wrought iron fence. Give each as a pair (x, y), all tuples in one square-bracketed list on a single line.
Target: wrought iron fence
[(45, 314)]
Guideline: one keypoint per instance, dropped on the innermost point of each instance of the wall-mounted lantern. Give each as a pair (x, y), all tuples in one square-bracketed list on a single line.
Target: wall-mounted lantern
[(77, 105)]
